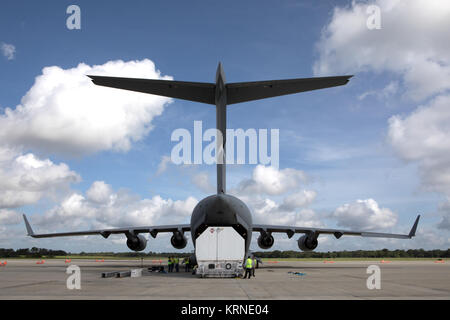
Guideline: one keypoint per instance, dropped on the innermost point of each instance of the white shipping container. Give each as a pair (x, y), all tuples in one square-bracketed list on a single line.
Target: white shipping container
[(222, 247)]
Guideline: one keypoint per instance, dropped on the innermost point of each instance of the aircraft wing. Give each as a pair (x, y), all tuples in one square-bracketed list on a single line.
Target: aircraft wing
[(192, 91), (247, 91), (290, 231), (153, 230)]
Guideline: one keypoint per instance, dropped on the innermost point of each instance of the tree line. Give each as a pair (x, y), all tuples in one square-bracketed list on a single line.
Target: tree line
[(384, 253), (30, 253)]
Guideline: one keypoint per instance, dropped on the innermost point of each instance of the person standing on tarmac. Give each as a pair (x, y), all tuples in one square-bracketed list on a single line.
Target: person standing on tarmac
[(193, 264), (170, 264), (248, 267), (177, 264), (186, 264), (253, 266)]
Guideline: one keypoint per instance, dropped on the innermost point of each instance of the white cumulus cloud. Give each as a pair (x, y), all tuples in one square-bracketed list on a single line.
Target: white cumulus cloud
[(100, 192), (65, 112), (445, 211), (412, 43), (202, 181), (424, 136), (413, 46), (9, 217), (302, 198), (364, 215), (25, 179), (8, 50), (162, 167), (271, 181), (267, 182), (102, 207), (268, 211)]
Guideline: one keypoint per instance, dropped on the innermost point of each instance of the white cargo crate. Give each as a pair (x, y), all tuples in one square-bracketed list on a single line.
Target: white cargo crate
[(220, 252), (135, 273)]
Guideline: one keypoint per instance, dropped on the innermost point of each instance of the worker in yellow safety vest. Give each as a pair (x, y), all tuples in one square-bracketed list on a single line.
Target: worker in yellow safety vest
[(248, 267), (186, 264)]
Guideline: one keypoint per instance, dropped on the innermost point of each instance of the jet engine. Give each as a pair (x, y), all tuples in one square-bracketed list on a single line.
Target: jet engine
[(178, 240), (265, 241), (307, 243), (136, 243)]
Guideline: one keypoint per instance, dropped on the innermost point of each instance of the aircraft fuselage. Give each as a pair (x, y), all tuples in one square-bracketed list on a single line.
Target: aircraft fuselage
[(222, 210)]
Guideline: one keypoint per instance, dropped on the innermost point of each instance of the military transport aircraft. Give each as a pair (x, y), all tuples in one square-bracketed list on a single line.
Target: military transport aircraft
[(221, 209)]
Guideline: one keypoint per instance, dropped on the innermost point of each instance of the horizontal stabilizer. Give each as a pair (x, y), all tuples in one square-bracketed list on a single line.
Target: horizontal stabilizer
[(192, 91), (248, 91), (205, 92)]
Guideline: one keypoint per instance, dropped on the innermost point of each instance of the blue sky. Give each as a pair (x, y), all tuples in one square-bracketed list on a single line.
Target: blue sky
[(343, 139)]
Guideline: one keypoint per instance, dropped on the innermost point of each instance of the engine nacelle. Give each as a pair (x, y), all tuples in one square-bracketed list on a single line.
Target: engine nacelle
[(178, 240), (265, 241), (136, 243), (306, 243)]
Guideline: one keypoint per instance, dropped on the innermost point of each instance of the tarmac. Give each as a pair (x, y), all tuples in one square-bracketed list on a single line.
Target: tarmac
[(286, 280)]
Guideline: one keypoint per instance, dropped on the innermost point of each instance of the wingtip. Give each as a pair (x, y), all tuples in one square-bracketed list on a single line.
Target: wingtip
[(28, 226), (412, 233), (95, 79)]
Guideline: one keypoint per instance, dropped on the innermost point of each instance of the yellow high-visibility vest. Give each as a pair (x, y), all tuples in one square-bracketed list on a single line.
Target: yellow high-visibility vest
[(249, 263)]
